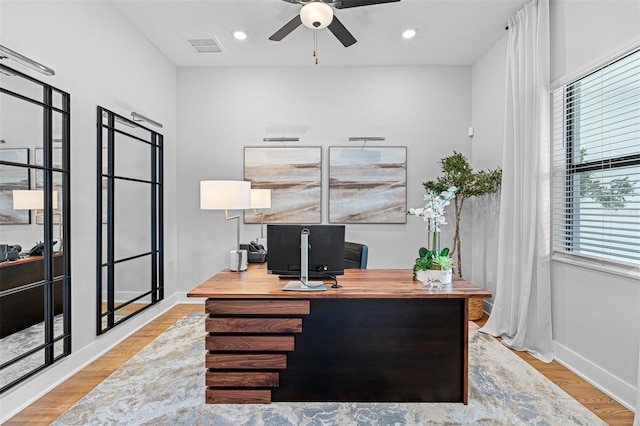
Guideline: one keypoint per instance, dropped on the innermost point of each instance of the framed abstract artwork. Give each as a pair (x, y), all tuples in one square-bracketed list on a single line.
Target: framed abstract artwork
[(294, 176), (12, 178), (368, 184)]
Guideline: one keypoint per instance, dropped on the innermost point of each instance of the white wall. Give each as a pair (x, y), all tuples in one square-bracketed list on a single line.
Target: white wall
[(222, 110), (100, 60), (487, 106), (596, 316), (584, 31)]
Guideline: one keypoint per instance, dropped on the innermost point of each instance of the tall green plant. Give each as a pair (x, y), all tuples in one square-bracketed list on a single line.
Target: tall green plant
[(457, 172)]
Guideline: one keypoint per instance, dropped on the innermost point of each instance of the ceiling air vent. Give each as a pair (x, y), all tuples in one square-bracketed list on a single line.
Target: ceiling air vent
[(205, 45)]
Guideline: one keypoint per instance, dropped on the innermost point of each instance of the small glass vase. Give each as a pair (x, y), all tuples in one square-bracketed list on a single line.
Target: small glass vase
[(433, 242)]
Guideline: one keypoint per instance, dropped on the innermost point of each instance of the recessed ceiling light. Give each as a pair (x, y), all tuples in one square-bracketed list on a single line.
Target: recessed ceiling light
[(410, 33), (240, 35)]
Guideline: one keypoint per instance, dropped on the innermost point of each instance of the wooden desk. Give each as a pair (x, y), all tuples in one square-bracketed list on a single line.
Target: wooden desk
[(381, 337)]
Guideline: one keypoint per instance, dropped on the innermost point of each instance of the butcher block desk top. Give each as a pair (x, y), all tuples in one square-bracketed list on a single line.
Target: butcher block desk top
[(255, 283)]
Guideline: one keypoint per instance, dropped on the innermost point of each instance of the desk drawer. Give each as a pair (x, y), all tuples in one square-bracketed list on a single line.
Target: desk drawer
[(241, 396), (249, 343), (253, 325), (242, 379), (257, 307), (246, 361)]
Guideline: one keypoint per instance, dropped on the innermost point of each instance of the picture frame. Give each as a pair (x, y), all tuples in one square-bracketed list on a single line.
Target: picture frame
[(57, 177), (294, 176), (13, 178), (368, 184)]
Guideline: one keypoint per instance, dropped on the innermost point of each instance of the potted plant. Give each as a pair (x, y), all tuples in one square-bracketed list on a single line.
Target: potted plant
[(433, 264), (458, 173), (433, 267)]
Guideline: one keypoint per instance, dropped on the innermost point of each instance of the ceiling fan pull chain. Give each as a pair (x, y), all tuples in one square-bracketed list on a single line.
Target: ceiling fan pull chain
[(315, 45)]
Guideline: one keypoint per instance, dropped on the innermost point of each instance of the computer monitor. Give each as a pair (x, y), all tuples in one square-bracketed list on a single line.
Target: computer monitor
[(325, 255)]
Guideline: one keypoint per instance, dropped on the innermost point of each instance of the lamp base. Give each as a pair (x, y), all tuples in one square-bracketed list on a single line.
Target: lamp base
[(238, 260)]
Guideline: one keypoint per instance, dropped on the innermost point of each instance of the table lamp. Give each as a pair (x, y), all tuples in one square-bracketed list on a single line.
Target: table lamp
[(33, 199), (261, 199), (228, 195)]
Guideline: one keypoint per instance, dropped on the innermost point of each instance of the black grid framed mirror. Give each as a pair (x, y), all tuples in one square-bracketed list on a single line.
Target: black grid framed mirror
[(35, 271), (130, 263)]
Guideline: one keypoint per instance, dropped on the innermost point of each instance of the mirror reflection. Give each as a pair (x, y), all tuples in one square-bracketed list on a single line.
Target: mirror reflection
[(34, 269), (130, 209)]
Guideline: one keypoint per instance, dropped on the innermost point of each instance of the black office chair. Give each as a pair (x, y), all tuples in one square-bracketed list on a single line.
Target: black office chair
[(355, 255)]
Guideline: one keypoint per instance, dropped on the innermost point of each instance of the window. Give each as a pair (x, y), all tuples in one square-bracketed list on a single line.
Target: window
[(596, 182)]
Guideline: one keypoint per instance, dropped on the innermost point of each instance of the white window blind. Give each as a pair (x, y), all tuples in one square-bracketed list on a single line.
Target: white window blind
[(596, 164)]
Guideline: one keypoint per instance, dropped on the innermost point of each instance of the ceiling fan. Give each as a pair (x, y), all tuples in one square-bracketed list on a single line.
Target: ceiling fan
[(317, 14)]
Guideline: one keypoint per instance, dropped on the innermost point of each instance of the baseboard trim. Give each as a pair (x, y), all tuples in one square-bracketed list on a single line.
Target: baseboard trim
[(36, 387), (611, 385)]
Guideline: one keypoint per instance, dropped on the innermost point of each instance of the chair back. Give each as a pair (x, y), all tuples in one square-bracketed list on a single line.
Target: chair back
[(355, 255)]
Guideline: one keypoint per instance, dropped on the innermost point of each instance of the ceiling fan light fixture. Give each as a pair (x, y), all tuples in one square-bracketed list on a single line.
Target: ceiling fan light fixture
[(316, 15), (240, 35), (409, 33)]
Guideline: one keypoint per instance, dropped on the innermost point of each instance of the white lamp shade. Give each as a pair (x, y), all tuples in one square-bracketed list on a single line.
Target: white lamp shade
[(260, 198), (32, 199), (225, 195), (316, 15)]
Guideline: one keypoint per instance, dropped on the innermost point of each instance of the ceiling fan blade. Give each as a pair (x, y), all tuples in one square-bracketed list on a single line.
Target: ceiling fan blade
[(286, 29), (344, 4), (341, 32)]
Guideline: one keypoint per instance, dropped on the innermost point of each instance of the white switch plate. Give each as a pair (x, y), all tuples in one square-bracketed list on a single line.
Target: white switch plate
[(490, 277)]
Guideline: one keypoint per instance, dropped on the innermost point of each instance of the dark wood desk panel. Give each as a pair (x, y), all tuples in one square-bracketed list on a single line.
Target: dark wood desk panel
[(366, 350), (25, 307), (381, 337)]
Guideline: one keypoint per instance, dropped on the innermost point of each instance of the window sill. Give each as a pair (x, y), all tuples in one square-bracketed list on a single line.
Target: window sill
[(610, 268)]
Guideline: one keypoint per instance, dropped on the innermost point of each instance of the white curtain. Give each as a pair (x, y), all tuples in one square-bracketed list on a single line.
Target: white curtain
[(521, 312), (636, 419)]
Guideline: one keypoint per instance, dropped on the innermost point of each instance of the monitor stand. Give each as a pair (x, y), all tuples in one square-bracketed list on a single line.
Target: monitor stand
[(304, 284), (299, 286)]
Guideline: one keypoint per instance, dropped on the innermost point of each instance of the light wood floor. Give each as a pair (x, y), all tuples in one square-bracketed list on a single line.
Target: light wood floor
[(56, 402)]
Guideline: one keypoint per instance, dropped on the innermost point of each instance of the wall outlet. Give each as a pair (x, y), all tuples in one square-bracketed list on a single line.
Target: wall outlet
[(490, 277)]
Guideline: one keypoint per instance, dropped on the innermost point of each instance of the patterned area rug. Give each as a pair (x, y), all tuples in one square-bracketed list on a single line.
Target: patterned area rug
[(164, 385)]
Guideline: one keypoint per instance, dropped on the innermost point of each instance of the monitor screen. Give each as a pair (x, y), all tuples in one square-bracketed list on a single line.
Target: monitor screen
[(326, 249)]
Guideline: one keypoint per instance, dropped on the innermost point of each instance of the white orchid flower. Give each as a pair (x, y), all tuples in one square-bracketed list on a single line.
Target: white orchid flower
[(434, 209)]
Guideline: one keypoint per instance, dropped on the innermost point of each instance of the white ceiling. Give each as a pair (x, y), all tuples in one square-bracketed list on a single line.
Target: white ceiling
[(450, 32)]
